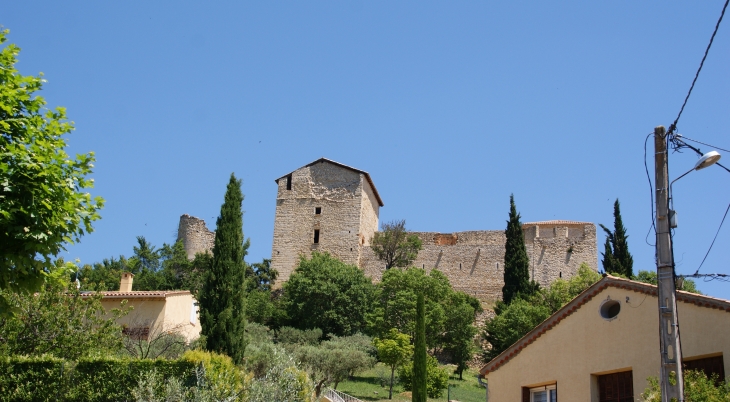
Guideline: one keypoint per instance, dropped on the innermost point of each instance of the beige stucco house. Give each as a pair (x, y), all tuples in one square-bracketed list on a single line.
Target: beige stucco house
[(155, 311), (604, 344)]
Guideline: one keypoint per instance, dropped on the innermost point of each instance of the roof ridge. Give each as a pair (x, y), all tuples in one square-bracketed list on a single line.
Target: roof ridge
[(585, 296)]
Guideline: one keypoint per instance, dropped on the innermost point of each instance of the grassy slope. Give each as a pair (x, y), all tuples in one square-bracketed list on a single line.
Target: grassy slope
[(372, 385)]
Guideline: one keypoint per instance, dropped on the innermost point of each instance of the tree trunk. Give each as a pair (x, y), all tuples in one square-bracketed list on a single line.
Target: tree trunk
[(392, 372)]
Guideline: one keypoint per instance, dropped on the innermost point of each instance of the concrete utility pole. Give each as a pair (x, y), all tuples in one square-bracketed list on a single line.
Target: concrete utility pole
[(671, 352)]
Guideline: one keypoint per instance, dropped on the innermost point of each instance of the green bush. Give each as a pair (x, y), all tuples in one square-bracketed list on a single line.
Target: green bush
[(31, 378), (437, 378)]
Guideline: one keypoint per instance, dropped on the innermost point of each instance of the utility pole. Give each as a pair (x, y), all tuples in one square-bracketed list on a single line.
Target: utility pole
[(671, 353)]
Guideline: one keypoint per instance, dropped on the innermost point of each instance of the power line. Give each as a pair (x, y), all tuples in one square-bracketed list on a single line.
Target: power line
[(651, 194), (712, 38), (713, 240), (700, 142)]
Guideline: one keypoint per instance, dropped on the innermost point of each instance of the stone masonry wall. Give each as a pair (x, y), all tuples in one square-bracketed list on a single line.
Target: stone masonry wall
[(195, 235), (339, 193), (473, 261)]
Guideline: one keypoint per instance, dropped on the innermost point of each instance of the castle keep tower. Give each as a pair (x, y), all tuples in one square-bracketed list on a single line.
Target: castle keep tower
[(323, 206)]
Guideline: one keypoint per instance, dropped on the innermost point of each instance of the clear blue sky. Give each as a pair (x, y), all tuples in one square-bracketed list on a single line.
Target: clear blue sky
[(451, 106)]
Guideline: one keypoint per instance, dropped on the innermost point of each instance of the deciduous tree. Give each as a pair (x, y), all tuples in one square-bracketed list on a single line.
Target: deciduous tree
[(222, 310), (324, 292), (393, 350), (394, 246), (43, 201)]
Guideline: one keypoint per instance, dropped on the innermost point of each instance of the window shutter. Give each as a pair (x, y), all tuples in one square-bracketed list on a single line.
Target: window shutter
[(525, 394)]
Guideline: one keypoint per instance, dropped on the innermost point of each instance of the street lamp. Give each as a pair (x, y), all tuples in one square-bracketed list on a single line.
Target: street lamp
[(706, 160), (669, 343)]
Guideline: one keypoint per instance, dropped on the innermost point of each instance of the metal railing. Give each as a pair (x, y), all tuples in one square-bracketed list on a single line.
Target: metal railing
[(337, 396)]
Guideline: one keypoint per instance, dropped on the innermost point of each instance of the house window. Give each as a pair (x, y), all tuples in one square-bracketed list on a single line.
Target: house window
[(709, 365), (288, 182), (616, 387), (546, 393), (316, 236), (318, 210)]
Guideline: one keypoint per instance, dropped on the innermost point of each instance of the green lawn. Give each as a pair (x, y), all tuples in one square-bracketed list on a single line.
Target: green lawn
[(372, 385)]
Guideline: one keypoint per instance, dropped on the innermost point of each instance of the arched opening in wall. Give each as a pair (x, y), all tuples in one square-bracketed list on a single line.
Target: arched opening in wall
[(610, 309)]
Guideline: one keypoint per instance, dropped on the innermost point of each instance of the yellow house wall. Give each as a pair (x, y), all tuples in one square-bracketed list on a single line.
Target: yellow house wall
[(159, 315), (177, 315), (583, 345)]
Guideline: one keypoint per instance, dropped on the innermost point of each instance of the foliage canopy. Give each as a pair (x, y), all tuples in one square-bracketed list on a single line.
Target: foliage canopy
[(43, 204), (394, 246)]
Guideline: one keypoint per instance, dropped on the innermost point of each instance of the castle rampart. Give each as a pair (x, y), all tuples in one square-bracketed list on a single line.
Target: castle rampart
[(474, 261)]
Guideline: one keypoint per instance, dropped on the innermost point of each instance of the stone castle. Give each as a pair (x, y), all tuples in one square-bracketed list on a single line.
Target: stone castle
[(328, 206)]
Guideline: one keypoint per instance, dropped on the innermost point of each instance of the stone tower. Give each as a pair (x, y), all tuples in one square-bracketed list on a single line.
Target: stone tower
[(195, 235), (324, 206)]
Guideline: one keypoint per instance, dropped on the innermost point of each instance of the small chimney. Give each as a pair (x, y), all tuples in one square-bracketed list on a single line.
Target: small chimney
[(126, 284)]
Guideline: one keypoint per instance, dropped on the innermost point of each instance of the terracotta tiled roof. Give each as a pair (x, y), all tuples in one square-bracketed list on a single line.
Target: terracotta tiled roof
[(342, 165), (556, 222), (148, 294), (583, 298)]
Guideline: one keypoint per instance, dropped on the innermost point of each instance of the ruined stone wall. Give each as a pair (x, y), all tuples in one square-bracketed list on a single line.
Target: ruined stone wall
[(340, 194), (473, 261), (195, 235)]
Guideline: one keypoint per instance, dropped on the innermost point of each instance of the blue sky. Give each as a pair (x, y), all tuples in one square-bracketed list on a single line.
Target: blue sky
[(451, 106)]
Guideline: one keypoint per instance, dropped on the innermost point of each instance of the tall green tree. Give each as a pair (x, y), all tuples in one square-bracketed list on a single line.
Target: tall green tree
[(419, 351), (616, 257), (222, 309), (516, 263), (324, 292), (394, 246), (43, 201)]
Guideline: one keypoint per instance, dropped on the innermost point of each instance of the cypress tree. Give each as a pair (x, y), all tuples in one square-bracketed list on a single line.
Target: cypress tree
[(222, 296), (516, 263), (419, 351), (616, 258)]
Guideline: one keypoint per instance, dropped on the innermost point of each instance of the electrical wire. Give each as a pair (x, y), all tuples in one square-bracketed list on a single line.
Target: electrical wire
[(713, 240), (712, 38), (651, 194), (700, 142)]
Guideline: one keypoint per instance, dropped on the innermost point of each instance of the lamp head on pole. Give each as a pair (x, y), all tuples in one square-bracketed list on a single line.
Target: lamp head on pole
[(707, 159)]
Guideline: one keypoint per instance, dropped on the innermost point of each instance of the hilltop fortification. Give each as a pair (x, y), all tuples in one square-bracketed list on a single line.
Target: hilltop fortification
[(332, 207)]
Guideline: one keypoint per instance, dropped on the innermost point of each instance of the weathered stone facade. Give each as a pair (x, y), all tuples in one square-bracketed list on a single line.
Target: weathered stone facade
[(328, 206), (473, 261), (195, 235), (323, 206)]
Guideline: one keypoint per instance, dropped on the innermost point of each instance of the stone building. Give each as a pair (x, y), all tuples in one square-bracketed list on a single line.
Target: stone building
[(323, 206), (332, 207)]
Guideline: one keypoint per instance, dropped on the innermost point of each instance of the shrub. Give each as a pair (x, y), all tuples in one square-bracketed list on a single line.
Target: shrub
[(437, 378), (31, 378)]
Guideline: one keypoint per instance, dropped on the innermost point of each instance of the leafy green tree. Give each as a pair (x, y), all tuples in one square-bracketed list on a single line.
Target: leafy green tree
[(394, 350), (418, 385), (58, 321), (458, 337), (324, 292), (222, 298), (650, 277), (616, 257), (697, 388), (394, 246), (515, 320), (43, 202), (437, 378), (516, 263), (396, 307), (334, 360), (262, 275)]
